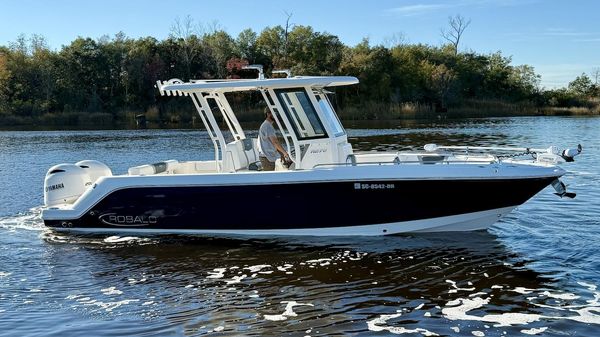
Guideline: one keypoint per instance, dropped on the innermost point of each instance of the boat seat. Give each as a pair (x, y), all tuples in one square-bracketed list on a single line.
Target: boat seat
[(163, 167), (240, 154)]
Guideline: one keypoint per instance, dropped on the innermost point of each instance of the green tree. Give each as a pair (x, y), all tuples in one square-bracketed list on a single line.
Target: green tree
[(84, 75), (5, 79), (245, 45), (373, 67), (442, 80), (271, 43), (221, 48), (582, 86)]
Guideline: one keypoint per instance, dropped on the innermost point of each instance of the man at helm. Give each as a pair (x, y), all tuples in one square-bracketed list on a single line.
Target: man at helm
[(269, 148)]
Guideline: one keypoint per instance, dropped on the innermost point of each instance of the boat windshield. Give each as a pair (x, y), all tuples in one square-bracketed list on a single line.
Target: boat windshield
[(330, 116), (301, 113)]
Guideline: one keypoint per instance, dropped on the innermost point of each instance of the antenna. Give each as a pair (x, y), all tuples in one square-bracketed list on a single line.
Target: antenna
[(287, 72), (258, 67)]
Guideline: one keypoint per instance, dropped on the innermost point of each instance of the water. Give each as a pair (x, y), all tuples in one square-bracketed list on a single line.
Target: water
[(535, 272)]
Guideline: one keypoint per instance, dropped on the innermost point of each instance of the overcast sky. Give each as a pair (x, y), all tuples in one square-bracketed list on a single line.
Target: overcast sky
[(560, 38)]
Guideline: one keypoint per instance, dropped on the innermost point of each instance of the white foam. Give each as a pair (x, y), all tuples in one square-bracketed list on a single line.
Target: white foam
[(589, 286), (377, 324), (289, 311), (455, 329), (111, 291), (275, 317), (257, 268), (456, 289), (107, 306), (4, 274), (219, 328), (478, 333), (31, 220), (534, 331), (134, 281), (217, 273), (236, 279), (586, 315), (561, 296), (285, 267), (119, 239), (460, 307), (523, 290), (496, 287), (323, 260)]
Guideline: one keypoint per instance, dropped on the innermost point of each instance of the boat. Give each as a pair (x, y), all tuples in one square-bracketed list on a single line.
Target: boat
[(326, 189)]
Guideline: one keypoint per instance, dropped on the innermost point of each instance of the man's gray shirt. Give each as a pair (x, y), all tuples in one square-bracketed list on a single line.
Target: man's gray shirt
[(265, 147)]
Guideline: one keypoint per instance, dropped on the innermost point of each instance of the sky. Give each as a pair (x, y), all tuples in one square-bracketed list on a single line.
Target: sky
[(559, 38)]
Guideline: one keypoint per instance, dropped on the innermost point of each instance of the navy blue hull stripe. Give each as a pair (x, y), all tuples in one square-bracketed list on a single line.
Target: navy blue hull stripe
[(292, 206)]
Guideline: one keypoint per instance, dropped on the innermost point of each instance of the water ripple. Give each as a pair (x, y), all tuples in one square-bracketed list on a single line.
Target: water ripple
[(536, 272)]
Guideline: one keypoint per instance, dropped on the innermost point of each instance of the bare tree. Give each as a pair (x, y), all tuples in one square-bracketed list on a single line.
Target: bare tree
[(596, 74), (288, 27), (186, 32), (394, 40), (457, 26)]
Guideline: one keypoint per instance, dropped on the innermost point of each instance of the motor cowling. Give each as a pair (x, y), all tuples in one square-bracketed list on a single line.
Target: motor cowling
[(65, 183), (95, 169)]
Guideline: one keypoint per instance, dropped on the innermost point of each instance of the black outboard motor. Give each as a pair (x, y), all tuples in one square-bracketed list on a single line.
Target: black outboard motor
[(569, 154), (561, 189)]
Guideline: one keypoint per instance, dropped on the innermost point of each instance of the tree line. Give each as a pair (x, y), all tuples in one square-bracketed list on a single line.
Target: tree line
[(110, 79)]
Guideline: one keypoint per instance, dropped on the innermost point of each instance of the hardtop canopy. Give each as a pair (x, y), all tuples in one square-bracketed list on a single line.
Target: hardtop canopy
[(300, 106), (174, 87)]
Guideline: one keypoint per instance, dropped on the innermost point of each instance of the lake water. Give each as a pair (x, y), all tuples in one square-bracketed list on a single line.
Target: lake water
[(537, 271)]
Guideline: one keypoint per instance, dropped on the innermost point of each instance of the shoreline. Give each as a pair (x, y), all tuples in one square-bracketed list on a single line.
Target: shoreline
[(348, 123)]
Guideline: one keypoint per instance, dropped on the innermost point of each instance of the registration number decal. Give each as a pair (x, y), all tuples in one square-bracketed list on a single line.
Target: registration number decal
[(362, 186)]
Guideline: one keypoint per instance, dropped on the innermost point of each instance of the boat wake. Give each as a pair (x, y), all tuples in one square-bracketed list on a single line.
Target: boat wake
[(30, 220)]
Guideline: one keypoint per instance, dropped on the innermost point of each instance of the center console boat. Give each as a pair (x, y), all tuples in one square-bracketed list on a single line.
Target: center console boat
[(329, 189)]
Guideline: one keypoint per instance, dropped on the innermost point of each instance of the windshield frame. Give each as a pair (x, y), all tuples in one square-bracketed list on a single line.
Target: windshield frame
[(309, 115)]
